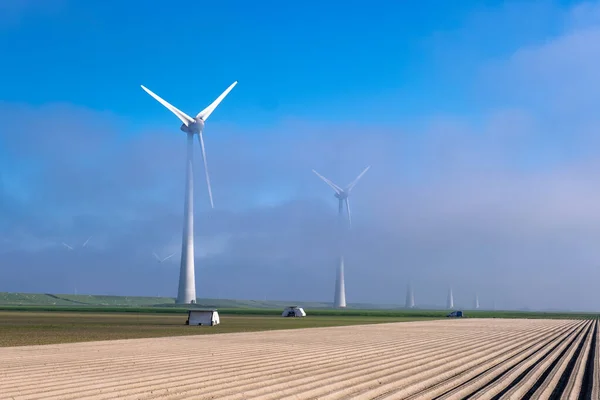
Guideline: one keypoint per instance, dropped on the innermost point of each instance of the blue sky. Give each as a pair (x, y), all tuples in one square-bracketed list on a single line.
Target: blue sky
[(311, 60), (478, 118), (91, 54)]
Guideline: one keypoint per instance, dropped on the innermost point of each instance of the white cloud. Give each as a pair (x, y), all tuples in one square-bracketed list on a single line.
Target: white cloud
[(583, 15)]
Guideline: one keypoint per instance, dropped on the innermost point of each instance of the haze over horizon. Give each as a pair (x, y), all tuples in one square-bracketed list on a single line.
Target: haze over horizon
[(478, 119)]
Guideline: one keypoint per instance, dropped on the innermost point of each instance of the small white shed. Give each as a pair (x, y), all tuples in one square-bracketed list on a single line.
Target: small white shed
[(203, 317), (293, 311)]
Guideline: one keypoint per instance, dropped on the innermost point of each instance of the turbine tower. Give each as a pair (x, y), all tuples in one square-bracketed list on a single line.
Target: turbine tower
[(191, 126), (476, 301), (410, 297), (339, 299), (450, 300)]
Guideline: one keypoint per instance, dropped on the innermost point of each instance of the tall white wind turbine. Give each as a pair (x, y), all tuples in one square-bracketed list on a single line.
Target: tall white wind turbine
[(342, 195), (192, 126)]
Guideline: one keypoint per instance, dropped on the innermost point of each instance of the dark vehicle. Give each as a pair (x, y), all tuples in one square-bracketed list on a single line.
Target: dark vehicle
[(455, 314)]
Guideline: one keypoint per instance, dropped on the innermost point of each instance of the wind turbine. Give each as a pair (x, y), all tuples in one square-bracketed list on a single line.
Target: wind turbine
[(410, 296), (161, 260), (70, 248), (450, 300), (191, 126), (342, 195)]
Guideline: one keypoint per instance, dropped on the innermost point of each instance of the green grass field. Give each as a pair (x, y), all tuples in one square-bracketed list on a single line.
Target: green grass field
[(100, 303), (27, 319), (21, 327), (34, 327), (347, 313), (47, 299)]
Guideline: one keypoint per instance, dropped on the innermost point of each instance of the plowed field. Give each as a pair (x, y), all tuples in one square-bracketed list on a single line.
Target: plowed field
[(453, 359)]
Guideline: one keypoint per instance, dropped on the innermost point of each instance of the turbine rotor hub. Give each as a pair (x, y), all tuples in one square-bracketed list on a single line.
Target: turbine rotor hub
[(194, 127)]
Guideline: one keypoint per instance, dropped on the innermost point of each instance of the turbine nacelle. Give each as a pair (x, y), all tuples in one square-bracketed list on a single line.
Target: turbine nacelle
[(193, 127), (341, 195)]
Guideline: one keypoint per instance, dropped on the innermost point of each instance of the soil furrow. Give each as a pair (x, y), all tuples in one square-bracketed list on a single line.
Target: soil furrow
[(495, 369), (546, 372), (274, 385), (549, 383), (573, 388), (449, 359), (425, 384), (562, 383), (433, 367), (224, 368), (455, 382), (525, 380), (506, 378), (586, 392)]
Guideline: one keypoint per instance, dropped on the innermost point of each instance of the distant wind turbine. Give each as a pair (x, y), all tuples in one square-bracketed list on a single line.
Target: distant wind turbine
[(161, 260), (191, 126), (70, 248), (410, 296), (342, 195), (450, 299)]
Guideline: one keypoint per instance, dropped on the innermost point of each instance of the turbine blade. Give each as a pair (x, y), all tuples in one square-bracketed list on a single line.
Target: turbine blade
[(204, 114), (67, 246), (86, 242), (201, 140), (169, 256), (335, 187), (186, 119), (348, 210), (355, 181), (156, 256)]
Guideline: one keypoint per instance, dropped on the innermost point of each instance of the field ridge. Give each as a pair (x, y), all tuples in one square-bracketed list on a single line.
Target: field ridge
[(441, 359)]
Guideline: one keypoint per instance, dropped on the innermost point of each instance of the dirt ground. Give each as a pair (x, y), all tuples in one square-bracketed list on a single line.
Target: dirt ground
[(449, 359)]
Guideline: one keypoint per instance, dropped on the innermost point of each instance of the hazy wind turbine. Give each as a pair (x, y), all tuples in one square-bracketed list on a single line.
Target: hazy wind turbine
[(161, 260), (72, 248), (342, 195), (410, 297), (450, 300), (192, 126)]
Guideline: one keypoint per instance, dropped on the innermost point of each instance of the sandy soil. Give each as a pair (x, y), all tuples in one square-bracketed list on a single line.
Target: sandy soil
[(454, 359)]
